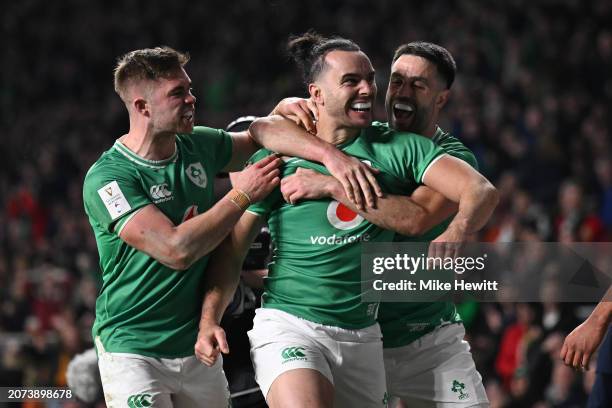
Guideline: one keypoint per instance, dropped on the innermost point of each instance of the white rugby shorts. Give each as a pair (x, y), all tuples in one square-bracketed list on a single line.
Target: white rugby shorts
[(350, 359), (436, 370), (136, 381)]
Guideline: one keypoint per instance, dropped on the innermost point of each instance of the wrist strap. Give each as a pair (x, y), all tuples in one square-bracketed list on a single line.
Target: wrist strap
[(239, 198)]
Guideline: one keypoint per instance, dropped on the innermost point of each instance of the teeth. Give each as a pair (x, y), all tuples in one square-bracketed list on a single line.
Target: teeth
[(403, 107), (361, 105)]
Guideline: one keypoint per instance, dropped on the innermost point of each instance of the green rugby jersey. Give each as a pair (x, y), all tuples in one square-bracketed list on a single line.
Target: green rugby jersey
[(403, 322), (315, 271), (145, 307)]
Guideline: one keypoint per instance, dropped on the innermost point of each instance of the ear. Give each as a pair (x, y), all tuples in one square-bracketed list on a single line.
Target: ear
[(315, 94), (140, 105), (442, 98)]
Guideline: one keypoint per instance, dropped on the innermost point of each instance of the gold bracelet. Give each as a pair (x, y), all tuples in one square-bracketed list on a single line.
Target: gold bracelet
[(239, 198)]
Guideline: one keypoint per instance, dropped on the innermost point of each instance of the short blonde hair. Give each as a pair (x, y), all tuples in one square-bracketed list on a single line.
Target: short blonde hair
[(148, 63)]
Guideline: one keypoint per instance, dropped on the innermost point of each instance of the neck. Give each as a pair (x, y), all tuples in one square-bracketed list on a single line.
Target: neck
[(430, 131), (334, 134), (149, 145)]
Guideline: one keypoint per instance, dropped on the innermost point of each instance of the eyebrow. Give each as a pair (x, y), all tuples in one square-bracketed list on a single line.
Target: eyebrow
[(370, 74), (412, 78), (178, 87)]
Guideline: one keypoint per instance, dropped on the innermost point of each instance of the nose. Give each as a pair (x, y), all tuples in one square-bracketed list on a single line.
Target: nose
[(367, 88), (190, 99)]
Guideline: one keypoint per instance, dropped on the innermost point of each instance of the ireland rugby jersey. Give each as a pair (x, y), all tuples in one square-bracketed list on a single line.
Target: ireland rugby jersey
[(315, 271), (403, 322), (145, 307)]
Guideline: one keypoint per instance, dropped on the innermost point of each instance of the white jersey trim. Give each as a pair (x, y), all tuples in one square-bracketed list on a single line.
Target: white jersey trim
[(124, 223), (154, 164), (431, 164)]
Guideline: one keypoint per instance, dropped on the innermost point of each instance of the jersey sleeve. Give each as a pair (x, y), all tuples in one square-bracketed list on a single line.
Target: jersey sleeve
[(111, 196), (457, 149), (216, 145), (466, 155), (425, 152), (412, 154)]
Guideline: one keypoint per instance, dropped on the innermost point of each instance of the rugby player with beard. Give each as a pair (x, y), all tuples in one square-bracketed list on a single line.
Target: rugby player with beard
[(150, 203), (314, 342), (427, 362)]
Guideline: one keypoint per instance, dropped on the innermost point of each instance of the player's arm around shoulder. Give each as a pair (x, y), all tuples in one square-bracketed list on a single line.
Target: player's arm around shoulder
[(243, 147), (399, 213), (282, 135), (228, 151), (392, 212), (179, 246)]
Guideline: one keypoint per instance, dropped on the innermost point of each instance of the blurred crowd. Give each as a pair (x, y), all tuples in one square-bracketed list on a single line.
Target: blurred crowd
[(531, 99)]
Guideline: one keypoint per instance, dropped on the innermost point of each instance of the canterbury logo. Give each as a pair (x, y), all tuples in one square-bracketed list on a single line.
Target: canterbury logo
[(292, 352), (139, 401), (160, 192)]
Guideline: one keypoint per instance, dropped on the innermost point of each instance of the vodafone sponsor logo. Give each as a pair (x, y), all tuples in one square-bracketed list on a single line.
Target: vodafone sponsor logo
[(337, 239), (342, 217)]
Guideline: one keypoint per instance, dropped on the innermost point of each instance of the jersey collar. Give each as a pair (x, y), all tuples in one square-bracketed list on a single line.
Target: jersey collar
[(154, 164), (439, 133)]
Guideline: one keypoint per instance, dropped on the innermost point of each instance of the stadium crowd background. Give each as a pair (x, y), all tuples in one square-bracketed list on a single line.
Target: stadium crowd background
[(532, 99)]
